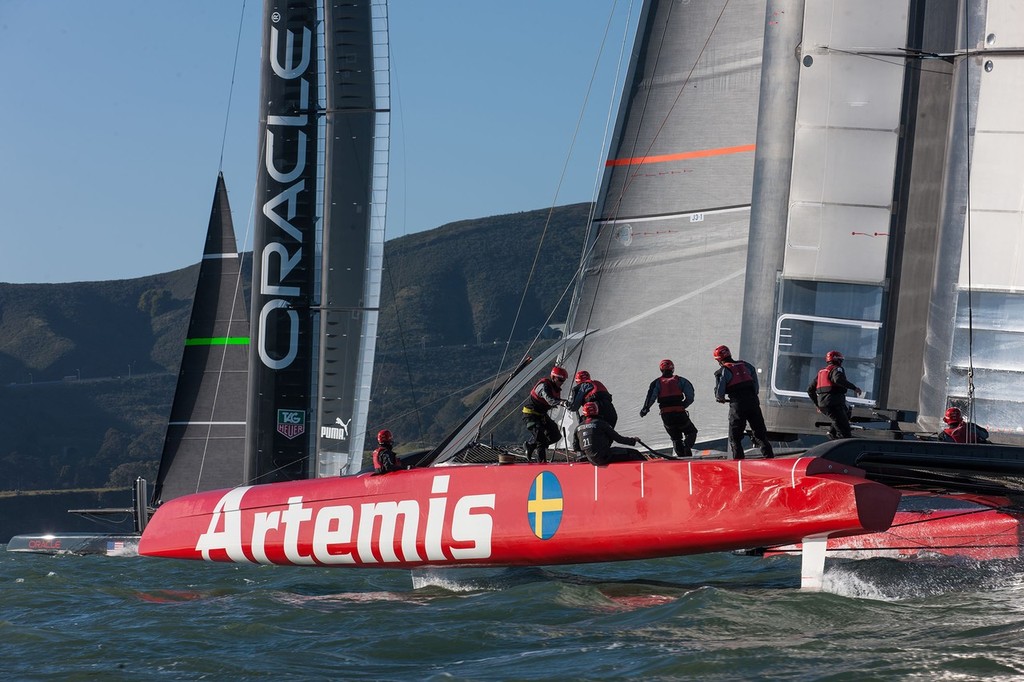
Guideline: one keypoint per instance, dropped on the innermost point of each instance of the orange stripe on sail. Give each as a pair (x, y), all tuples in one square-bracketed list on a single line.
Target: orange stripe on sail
[(699, 154)]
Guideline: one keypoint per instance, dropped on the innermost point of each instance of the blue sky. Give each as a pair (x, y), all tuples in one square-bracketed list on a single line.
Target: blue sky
[(114, 112)]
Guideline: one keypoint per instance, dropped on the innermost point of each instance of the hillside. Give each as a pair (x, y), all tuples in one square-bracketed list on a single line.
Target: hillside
[(87, 369)]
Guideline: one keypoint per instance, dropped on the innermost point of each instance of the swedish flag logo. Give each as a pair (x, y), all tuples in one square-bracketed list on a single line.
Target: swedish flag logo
[(544, 508)]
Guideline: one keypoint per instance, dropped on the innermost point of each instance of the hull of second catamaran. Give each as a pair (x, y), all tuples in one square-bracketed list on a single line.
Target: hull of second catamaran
[(935, 533)]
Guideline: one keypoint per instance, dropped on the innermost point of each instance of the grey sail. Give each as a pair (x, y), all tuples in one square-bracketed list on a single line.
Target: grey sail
[(355, 186), (204, 448), (663, 274), (865, 205)]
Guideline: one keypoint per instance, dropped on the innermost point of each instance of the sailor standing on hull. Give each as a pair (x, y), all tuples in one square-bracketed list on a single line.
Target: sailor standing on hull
[(545, 395), (828, 391), (674, 394), (736, 383), (384, 458)]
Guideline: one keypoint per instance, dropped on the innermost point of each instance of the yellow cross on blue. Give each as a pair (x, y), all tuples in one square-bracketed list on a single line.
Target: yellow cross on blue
[(544, 508)]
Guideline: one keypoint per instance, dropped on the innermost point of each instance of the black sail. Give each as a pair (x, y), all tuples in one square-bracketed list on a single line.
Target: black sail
[(204, 448), (284, 247)]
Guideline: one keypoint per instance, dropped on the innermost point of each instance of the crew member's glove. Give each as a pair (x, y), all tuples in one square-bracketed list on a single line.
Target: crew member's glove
[(643, 412), (633, 440)]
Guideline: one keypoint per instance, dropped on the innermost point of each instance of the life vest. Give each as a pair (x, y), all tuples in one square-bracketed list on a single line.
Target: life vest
[(597, 392), (740, 376), (670, 395), (379, 463), (964, 433), (537, 402), (825, 384)]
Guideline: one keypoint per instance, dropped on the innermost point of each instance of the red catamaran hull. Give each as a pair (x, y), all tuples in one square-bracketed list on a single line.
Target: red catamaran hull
[(523, 514)]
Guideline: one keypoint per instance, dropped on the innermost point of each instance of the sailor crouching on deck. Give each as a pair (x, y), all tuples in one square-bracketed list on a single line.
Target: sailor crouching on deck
[(594, 436), (384, 458), (674, 394), (959, 431), (736, 383), (545, 395)]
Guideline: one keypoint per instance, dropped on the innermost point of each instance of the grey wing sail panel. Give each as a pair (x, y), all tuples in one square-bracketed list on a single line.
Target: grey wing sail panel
[(204, 448), (887, 213), (664, 276), (355, 197)]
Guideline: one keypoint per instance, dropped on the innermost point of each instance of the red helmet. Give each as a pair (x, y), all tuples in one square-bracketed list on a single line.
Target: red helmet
[(953, 416), (666, 365), (582, 375), (384, 437), (558, 374), (833, 356), (590, 409), (722, 353)]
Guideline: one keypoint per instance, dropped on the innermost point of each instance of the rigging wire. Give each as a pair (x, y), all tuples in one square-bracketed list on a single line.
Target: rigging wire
[(561, 179), (231, 88), (410, 384), (547, 223), (967, 226)]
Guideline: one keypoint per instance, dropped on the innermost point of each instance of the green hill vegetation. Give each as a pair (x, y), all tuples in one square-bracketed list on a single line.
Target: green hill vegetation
[(87, 369)]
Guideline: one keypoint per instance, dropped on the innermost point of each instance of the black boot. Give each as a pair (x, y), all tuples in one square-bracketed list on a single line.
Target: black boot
[(542, 454), (528, 446)]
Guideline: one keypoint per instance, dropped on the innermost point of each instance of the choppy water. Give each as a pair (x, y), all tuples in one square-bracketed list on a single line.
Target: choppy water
[(713, 617)]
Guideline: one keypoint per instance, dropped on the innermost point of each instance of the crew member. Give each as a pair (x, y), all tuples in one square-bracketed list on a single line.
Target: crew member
[(585, 390), (545, 395), (384, 458), (828, 391), (959, 431), (594, 436), (674, 394), (736, 383)]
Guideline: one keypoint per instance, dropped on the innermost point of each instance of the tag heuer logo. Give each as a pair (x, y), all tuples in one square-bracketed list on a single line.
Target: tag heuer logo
[(291, 423)]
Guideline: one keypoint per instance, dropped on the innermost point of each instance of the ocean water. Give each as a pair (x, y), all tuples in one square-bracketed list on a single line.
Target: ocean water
[(711, 617)]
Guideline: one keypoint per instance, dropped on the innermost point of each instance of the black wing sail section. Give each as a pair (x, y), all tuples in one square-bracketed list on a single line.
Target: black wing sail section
[(204, 448), (284, 247)]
